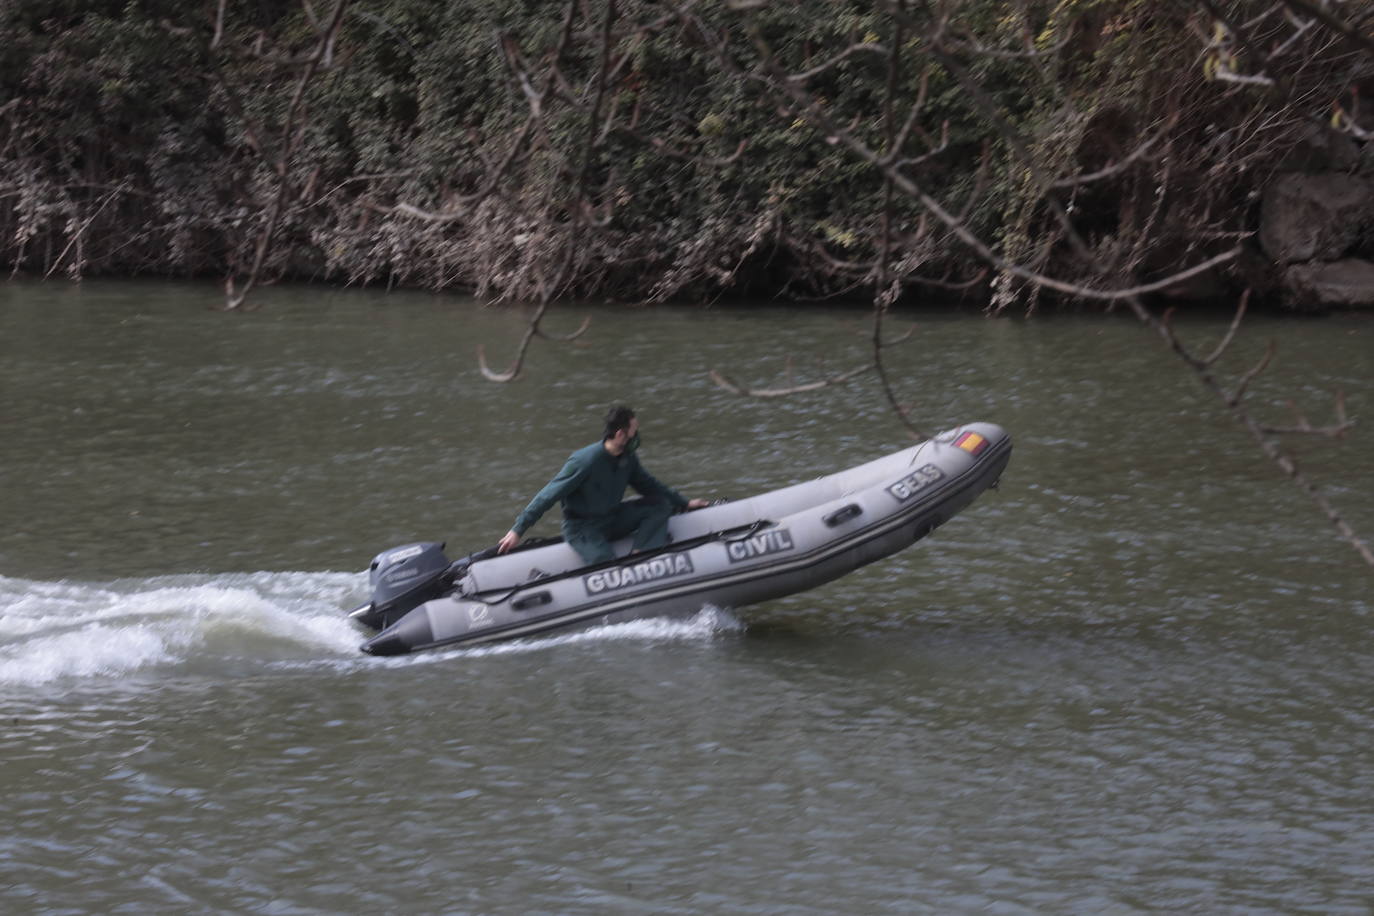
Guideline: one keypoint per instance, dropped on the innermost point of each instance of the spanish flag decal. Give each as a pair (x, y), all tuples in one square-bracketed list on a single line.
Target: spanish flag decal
[(971, 443)]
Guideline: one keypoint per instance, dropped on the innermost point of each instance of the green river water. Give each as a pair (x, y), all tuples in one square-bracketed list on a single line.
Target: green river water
[(1133, 679)]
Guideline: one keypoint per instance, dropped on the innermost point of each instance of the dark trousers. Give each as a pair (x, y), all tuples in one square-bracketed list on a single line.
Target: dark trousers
[(591, 537)]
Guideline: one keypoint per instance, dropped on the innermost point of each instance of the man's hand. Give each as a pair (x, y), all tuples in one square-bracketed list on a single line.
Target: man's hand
[(697, 504), (508, 542)]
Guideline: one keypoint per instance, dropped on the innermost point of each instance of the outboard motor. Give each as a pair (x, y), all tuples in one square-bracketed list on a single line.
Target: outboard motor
[(403, 578)]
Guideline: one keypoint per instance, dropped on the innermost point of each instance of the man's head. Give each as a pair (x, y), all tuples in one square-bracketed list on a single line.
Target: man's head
[(621, 429)]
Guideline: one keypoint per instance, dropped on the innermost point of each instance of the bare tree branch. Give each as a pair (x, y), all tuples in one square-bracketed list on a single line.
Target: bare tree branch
[(897, 144), (734, 387), (1117, 167), (1231, 331), (80, 232), (1335, 430), (857, 48), (566, 338), (1331, 22), (1245, 380), (219, 25), (1262, 434), (952, 285), (548, 290), (292, 134)]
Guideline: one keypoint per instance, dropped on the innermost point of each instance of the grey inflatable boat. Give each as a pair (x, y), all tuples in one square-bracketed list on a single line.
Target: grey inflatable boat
[(727, 555)]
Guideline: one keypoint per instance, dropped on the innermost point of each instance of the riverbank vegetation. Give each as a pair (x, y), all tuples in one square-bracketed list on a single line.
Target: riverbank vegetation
[(646, 151)]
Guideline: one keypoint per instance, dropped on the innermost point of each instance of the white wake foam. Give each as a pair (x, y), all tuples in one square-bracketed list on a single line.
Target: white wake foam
[(51, 631), (54, 630)]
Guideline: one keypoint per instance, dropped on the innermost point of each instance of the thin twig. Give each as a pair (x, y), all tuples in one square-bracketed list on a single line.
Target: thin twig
[(1231, 331), (76, 236), (730, 385), (857, 48), (1116, 167), (1331, 22), (1335, 430), (1254, 372)]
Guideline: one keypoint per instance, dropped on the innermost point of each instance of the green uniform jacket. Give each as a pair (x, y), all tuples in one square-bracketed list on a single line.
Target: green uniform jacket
[(592, 484)]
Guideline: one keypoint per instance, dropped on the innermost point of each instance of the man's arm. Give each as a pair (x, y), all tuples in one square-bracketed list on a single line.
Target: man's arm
[(564, 482), (649, 485)]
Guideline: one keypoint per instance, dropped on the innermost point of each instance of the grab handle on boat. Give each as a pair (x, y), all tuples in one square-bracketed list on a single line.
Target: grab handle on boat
[(528, 601), (840, 516)]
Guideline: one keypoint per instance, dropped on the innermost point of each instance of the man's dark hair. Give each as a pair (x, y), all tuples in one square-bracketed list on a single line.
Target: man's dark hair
[(617, 418)]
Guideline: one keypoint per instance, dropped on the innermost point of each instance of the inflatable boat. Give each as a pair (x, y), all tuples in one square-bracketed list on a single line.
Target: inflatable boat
[(728, 555)]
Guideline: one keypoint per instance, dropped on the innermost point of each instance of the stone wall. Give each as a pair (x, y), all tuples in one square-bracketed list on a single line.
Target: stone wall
[(1317, 226)]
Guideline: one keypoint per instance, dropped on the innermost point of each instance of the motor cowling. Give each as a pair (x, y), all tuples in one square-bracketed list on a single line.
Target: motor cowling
[(402, 579)]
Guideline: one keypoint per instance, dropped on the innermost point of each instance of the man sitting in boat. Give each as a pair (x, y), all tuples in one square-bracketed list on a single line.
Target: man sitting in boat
[(591, 487)]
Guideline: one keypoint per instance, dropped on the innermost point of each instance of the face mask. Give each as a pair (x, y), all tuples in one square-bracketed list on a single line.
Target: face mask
[(632, 444)]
